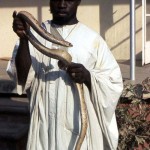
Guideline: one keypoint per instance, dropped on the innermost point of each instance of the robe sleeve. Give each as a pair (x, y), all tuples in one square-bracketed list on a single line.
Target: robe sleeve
[(11, 67), (11, 70), (106, 88)]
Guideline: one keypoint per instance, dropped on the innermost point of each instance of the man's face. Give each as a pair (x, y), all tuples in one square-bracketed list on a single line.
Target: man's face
[(64, 10)]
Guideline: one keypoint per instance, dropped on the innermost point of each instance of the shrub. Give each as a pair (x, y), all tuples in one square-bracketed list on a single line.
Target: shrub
[(133, 117)]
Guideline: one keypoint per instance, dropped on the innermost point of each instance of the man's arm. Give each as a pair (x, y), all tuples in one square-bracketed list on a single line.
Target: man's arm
[(23, 61), (80, 74)]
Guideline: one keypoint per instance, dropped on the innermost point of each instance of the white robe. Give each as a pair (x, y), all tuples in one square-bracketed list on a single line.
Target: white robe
[(54, 101)]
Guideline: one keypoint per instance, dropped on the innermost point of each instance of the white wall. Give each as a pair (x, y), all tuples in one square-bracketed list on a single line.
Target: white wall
[(109, 18)]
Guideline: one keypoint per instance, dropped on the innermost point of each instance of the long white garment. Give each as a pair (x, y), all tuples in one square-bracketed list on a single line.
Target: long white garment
[(54, 100)]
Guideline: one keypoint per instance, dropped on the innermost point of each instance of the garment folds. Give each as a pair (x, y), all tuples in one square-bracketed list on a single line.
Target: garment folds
[(54, 100)]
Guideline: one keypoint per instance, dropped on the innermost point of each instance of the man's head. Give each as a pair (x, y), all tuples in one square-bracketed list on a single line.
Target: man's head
[(64, 11)]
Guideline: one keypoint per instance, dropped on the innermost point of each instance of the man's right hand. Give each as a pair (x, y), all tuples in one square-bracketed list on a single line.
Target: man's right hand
[(19, 26)]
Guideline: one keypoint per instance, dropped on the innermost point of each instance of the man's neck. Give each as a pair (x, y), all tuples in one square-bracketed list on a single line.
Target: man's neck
[(63, 23)]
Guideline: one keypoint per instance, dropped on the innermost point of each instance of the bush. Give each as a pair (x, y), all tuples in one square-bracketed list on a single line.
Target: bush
[(133, 117)]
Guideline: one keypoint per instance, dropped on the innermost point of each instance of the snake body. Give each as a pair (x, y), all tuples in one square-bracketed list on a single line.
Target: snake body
[(26, 16), (62, 55)]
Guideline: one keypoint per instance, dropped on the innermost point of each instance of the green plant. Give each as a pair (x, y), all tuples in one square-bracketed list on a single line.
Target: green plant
[(133, 115)]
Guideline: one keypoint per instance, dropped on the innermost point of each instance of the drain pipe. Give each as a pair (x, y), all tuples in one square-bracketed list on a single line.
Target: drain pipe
[(132, 40)]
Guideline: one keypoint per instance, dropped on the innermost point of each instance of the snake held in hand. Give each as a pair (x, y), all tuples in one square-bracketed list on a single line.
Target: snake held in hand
[(59, 54)]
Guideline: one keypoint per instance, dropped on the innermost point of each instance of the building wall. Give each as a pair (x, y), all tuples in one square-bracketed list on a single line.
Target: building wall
[(109, 18)]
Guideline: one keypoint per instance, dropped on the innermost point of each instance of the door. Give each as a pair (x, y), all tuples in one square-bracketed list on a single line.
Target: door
[(146, 32)]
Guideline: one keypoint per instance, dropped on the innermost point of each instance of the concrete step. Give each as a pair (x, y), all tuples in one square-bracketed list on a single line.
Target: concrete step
[(14, 121), (13, 136), (7, 86), (14, 113)]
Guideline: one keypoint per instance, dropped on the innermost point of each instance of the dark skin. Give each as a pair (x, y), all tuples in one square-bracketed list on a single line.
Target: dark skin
[(23, 59), (63, 13)]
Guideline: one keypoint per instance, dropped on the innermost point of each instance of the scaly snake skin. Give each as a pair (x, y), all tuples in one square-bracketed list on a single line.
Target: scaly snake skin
[(62, 55)]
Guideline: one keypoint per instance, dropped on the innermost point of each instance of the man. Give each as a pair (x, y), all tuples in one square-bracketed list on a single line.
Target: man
[(54, 101)]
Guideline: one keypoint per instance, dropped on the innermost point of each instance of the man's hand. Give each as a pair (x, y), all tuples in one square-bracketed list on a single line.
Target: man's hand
[(19, 26), (78, 73)]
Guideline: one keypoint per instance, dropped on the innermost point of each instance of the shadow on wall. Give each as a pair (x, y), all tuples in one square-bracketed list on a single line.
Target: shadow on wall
[(138, 61), (106, 15)]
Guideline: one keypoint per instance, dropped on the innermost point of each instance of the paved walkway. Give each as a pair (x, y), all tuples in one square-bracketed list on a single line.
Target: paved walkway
[(141, 72)]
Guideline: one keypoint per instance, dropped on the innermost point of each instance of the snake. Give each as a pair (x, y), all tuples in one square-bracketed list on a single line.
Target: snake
[(58, 54)]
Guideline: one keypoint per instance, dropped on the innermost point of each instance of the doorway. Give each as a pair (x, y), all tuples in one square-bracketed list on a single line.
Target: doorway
[(146, 32)]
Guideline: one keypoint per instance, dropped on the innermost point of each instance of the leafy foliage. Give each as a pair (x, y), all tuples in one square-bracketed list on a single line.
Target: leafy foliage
[(133, 117)]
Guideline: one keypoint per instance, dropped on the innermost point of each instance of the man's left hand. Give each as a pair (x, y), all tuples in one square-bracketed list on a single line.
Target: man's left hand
[(78, 73)]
